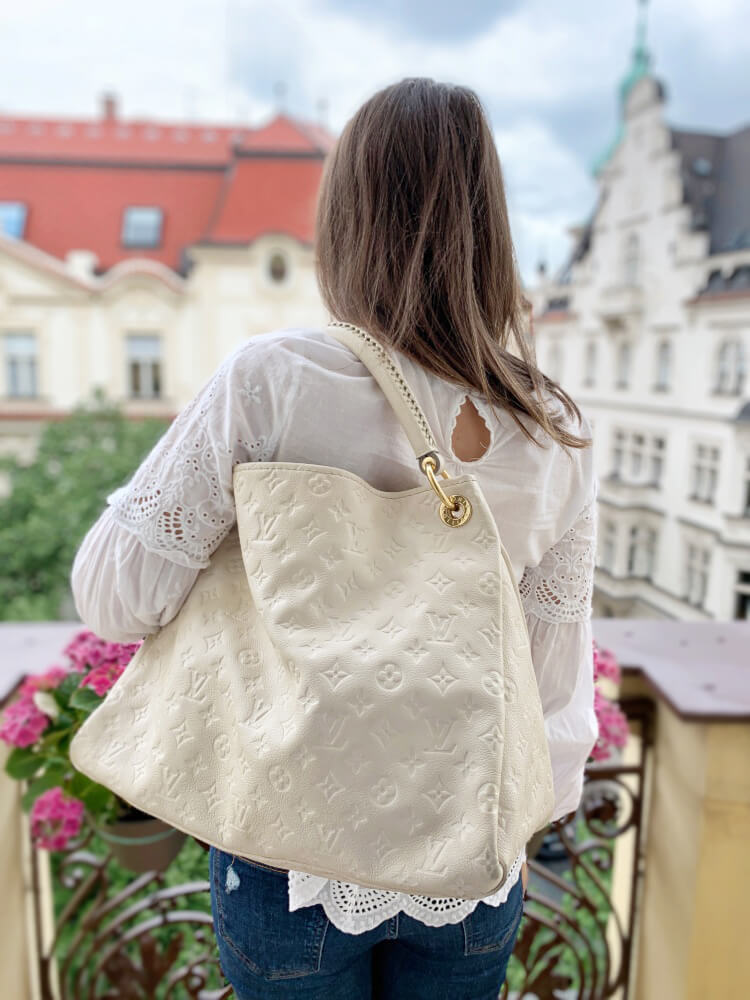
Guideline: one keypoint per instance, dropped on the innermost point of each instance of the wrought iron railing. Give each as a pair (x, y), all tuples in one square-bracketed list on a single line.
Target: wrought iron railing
[(152, 940), (575, 939)]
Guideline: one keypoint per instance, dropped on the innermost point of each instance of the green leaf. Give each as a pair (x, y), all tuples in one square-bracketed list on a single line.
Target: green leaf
[(23, 762), (35, 789), (86, 698), (79, 783), (66, 688), (52, 736), (96, 797)]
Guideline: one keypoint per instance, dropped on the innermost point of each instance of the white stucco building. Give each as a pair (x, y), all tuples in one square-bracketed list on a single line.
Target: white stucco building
[(648, 327)]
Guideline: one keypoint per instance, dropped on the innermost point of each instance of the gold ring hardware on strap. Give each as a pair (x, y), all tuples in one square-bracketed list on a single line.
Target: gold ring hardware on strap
[(455, 509)]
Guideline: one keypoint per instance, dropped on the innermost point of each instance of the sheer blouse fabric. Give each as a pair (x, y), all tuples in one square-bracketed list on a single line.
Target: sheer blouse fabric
[(299, 395)]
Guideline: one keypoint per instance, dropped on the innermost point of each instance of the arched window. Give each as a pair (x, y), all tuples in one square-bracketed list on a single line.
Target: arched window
[(624, 364), (278, 267), (631, 260), (731, 367), (589, 377), (663, 365)]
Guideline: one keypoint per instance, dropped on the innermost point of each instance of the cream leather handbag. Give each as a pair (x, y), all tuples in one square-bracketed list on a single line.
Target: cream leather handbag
[(348, 688)]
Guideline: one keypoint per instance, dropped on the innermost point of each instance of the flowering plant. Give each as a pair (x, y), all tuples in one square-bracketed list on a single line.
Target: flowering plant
[(40, 723), (613, 725)]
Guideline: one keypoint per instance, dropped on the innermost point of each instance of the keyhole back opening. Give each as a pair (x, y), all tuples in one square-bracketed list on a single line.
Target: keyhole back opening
[(470, 435)]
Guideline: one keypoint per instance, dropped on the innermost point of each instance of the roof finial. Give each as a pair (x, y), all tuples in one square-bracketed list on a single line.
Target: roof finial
[(640, 33), (641, 61)]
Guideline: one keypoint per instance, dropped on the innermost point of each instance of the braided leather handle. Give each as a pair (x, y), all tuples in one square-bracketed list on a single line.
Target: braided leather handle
[(391, 380)]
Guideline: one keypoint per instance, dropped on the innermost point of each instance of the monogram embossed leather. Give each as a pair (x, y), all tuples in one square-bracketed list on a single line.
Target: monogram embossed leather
[(348, 688)]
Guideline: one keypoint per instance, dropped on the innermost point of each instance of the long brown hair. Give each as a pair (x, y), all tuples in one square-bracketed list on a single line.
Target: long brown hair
[(413, 244)]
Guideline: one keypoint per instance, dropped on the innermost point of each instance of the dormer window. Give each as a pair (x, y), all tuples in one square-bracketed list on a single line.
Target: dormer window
[(142, 226), (13, 219), (555, 365)]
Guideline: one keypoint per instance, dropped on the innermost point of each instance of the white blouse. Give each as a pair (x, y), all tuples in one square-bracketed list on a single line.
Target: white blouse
[(299, 395)]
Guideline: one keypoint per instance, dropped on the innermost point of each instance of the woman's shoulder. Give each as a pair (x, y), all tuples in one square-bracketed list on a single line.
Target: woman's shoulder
[(307, 342)]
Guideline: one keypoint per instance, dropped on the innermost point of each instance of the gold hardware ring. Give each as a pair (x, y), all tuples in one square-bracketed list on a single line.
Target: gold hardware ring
[(455, 510)]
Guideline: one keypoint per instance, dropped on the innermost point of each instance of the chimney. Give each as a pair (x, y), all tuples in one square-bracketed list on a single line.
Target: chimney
[(109, 106), (81, 263)]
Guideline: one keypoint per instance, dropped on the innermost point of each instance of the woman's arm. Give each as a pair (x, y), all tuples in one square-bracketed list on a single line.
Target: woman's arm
[(137, 563), (557, 599)]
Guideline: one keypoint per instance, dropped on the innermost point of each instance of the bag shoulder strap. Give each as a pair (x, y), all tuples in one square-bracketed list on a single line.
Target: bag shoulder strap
[(391, 380)]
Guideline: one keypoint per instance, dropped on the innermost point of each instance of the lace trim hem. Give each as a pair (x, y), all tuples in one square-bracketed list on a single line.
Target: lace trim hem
[(356, 909)]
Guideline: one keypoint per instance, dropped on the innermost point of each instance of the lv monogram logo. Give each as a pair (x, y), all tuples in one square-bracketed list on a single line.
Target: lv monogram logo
[(267, 524), (440, 731), (198, 686), (440, 627), (332, 728), (170, 779), (433, 864)]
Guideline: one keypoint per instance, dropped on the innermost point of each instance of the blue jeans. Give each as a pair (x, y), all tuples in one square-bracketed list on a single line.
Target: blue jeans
[(266, 951)]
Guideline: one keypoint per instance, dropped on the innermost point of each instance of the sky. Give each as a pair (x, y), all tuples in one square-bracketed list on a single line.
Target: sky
[(546, 71)]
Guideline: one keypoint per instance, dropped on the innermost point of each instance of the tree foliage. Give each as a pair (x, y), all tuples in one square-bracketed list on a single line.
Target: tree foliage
[(55, 499)]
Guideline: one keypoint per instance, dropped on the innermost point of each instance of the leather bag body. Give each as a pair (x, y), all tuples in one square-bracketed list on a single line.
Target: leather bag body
[(348, 688)]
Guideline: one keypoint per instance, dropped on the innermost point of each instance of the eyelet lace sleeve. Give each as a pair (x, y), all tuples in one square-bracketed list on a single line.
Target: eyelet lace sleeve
[(559, 589), (179, 503), (556, 596)]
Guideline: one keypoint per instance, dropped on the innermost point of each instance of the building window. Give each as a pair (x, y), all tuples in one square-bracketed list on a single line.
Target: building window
[(731, 368), (13, 219), (20, 364), (609, 543), (696, 575), (704, 473), (278, 267), (642, 551), (618, 453), (631, 260), (589, 377), (657, 460), (624, 364), (144, 365), (742, 589), (663, 366), (142, 226), (555, 362), (637, 455)]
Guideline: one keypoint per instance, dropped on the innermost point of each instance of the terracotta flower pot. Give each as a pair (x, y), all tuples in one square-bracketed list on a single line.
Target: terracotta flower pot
[(142, 843)]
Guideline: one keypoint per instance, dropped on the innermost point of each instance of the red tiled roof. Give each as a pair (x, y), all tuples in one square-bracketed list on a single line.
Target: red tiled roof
[(214, 182)]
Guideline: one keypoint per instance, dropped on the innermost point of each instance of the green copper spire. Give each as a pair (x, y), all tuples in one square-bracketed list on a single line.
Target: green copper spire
[(641, 63), (639, 67)]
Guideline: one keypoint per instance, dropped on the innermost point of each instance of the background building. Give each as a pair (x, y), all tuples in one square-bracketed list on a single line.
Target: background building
[(648, 327), (135, 255)]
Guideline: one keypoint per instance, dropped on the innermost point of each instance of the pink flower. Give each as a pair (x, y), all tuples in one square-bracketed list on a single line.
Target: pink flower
[(605, 664), (102, 678), (87, 651), (613, 724), (50, 679), (22, 723), (55, 817)]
